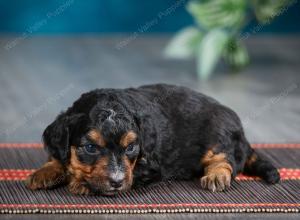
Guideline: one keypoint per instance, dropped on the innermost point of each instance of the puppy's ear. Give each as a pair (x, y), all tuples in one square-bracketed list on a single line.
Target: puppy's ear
[(56, 136), (138, 122)]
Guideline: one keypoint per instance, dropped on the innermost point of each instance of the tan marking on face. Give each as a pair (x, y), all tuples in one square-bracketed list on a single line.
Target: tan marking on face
[(129, 167), (96, 137), (84, 171), (95, 174), (76, 167), (128, 138)]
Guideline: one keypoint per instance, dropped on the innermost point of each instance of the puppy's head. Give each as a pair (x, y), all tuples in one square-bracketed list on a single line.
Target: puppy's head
[(99, 148)]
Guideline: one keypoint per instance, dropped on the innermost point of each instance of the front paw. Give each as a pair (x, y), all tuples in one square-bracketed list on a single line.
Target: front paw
[(216, 181), (78, 188), (44, 179)]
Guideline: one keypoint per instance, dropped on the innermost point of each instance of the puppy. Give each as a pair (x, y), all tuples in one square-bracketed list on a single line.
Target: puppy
[(110, 140)]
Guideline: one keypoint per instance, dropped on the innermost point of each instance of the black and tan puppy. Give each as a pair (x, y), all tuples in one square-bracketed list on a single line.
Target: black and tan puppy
[(113, 139)]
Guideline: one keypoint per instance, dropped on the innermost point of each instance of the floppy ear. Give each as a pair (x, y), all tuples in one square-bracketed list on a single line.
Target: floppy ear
[(141, 132), (56, 136)]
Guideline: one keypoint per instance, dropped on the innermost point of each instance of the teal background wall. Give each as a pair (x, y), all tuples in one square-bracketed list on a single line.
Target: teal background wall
[(111, 16)]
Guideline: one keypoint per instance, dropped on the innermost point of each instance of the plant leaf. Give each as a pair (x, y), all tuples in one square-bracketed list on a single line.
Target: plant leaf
[(218, 13), (182, 46), (210, 51), (266, 10), (235, 54)]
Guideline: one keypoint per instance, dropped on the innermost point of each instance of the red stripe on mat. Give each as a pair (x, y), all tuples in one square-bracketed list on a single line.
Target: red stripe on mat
[(285, 174), (257, 145), (276, 145), (134, 206), (12, 174), (21, 145), (17, 175)]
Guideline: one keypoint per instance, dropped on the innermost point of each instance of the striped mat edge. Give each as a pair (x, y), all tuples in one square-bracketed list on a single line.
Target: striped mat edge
[(21, 174), (149, 208), (18, 174)]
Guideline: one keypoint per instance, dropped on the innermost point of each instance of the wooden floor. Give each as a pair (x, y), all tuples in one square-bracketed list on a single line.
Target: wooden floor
[(41, 76)]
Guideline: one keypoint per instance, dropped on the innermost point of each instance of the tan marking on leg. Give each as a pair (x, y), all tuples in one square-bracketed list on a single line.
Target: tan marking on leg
[(251, 160), (76, 187), (51, 174), (217, 171)]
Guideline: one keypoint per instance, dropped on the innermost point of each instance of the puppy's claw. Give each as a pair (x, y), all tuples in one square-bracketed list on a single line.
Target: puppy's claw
[(216, 182), (78, 189)]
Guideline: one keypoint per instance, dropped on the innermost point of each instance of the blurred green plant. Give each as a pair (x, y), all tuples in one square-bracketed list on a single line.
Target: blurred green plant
[(217, 33)]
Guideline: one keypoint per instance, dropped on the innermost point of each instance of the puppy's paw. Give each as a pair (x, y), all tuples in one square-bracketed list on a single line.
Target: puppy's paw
[(44, 178), (216, 181), (78, 188), (272, 176)]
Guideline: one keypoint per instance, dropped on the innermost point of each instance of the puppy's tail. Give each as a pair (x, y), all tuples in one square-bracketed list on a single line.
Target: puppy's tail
[(256, 165)]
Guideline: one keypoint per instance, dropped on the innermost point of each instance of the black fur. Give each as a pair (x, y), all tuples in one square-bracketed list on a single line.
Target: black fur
[(175, 125)]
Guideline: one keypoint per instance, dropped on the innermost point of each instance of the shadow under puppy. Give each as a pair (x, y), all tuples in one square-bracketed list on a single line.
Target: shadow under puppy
[(113, 139)]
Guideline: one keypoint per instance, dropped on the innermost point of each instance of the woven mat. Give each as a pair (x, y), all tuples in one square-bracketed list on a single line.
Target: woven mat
[(17, 160)]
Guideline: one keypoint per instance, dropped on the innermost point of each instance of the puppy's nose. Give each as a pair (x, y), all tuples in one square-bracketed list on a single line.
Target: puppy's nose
[(116, 182)]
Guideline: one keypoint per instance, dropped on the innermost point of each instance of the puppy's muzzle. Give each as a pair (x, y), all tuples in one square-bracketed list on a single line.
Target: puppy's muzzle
[(116, 179)]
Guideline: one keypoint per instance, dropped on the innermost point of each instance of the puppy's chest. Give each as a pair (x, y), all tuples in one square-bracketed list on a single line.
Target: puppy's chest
[(167, 166)]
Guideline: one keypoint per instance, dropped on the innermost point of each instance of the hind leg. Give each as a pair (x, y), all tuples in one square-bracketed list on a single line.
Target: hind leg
[(217, 171), (258, 166)]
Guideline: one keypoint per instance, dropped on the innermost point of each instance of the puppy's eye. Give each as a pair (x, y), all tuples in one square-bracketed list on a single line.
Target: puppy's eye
[(91, 148), (130, 148)]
